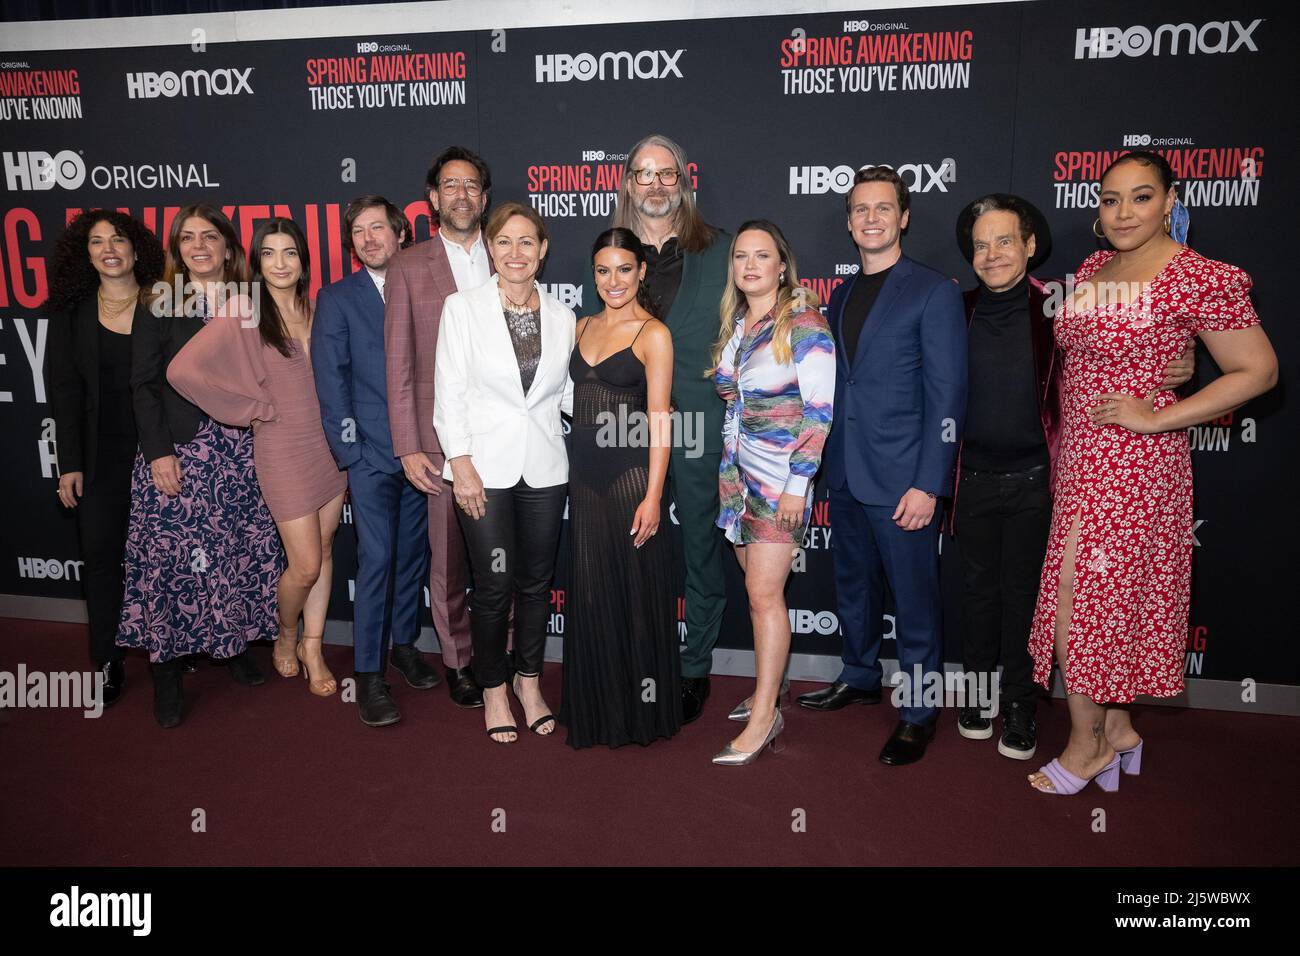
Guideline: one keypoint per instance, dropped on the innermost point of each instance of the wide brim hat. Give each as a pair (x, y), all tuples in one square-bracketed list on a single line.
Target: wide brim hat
[(1042, 232)]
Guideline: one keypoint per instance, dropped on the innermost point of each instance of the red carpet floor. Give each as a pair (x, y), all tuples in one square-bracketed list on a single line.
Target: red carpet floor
[(287, 778)]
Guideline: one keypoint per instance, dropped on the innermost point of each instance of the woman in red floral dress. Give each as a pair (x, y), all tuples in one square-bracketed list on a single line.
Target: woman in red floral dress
[(1113, 597)]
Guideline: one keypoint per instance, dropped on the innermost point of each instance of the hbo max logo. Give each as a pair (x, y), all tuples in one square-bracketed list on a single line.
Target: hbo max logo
[(49, 569), (920, 177), (645, 65), (813, 622), (224, 82)]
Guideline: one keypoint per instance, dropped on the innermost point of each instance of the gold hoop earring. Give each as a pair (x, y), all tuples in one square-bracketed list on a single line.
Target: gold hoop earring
[(1095, 224), (1168, 225)]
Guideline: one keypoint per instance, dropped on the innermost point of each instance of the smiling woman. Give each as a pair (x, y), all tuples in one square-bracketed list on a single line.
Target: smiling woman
[(501, 383), (202, 554), (97, 270)]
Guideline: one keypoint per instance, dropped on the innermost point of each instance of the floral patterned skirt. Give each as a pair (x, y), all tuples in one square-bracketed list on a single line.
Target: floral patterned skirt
[(202, 566)]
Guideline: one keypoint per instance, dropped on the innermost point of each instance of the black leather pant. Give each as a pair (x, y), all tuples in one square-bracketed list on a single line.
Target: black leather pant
[(512, 551)]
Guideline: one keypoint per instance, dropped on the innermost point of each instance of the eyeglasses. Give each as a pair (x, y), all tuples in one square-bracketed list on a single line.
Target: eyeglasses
[(644, 177), (450, 187)]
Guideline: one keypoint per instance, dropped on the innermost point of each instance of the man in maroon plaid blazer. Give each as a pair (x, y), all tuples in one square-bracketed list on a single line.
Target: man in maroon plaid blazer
[(419, 280)]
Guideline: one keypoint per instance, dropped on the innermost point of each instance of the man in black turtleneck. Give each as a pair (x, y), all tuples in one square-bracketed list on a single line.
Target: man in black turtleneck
[(1002, 509)]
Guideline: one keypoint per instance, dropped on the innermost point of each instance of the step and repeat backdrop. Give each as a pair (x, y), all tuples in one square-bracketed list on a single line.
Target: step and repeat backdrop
[(776, 113)]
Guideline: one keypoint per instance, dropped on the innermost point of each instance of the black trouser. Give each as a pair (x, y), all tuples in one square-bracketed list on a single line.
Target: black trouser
[(1002, 522), (103, 512), (512, 551)]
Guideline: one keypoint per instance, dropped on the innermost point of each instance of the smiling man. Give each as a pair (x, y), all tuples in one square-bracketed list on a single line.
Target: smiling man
[(1003, 506), (686, 272), (458, 187), (900, 394)]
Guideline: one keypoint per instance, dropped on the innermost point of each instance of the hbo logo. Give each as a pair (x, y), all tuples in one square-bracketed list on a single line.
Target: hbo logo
[(38, 170), (808, 622), (592, 155), (49, 568), (1137, 139), (367, 47)]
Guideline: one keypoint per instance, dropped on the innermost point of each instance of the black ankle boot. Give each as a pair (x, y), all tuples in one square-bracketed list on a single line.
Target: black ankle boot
[(245, 671), (167, 695)]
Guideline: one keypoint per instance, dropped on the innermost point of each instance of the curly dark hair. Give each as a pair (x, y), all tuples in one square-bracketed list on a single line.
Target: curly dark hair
[(72, 277)]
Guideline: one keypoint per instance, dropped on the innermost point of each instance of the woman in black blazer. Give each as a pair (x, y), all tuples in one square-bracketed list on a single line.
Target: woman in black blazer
[(98, 267)]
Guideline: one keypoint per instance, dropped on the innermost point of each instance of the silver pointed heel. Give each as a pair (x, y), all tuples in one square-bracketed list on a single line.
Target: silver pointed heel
[(729, 756), (741, 711)]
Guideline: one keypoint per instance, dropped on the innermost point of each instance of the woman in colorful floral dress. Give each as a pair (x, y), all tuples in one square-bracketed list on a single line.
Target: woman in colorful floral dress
[(774, 363)]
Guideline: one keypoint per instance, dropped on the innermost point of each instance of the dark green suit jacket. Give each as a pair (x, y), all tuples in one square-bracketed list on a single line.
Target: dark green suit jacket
[(693, 321)]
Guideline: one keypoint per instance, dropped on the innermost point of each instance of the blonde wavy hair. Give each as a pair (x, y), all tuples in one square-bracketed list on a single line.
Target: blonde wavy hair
[(791, 297)]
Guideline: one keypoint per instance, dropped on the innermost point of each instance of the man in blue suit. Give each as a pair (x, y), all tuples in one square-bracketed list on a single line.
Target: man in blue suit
[(390, 515), (900, 396)]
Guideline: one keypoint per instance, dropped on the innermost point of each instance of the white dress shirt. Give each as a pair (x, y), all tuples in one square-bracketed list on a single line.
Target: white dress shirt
[(469, 268), (378, 279)]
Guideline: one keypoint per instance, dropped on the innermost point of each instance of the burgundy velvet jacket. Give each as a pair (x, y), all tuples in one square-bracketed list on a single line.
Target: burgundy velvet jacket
[(1048, 361)]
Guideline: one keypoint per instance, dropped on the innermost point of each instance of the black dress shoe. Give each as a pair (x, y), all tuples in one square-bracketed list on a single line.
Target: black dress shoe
[(464, 690), (837, 695), (412, 665), (114, 680), (375, 701), (245, 671), (695, 691), (907, 743), (167, 698)]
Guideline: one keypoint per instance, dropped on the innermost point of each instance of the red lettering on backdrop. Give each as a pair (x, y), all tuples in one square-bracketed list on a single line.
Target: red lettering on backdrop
[(312, 230), (18, 266), (1197, 638), (414, 212), (338, 267)]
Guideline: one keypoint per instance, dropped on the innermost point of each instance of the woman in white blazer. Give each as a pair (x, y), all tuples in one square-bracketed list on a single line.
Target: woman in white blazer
[(501, 381)]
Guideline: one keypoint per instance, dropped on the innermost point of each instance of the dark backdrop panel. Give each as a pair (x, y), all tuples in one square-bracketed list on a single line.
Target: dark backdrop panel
[(775, 113)]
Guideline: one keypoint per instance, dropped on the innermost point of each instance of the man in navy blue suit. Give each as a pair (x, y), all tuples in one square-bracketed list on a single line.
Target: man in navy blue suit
[(900, 396), (390, 515)]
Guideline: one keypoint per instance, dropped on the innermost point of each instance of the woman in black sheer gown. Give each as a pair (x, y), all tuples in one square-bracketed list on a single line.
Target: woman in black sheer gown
[(622, 672)]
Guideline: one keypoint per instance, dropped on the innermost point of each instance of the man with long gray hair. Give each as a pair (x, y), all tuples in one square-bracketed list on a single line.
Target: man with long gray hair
[(686, 272)]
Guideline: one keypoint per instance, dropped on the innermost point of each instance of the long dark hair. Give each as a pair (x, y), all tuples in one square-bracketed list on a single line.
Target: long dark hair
[(234, 270), (621, 237), (271, 322), (73, 277)]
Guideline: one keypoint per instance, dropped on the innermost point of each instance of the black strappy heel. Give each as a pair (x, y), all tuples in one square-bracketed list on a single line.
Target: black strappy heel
[(511, 729), (538, 722), (514, 686)]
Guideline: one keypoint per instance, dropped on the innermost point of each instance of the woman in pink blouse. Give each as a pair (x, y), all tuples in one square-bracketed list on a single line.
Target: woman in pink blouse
[(251, 366)]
